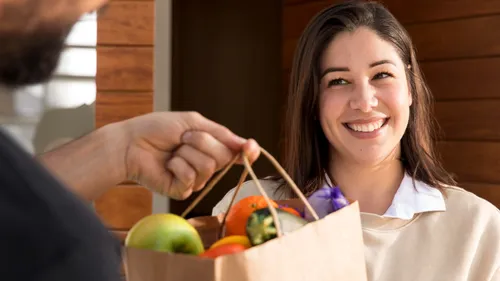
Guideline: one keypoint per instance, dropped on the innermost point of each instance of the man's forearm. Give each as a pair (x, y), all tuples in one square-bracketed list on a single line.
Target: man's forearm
[(91, 164)]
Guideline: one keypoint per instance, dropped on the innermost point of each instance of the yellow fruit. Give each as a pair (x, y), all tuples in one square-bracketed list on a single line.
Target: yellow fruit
[(165, 233), (233, 239)]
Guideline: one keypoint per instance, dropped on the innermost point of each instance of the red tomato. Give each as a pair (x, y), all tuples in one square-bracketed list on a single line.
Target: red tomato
[(291, 211), (222, 250)]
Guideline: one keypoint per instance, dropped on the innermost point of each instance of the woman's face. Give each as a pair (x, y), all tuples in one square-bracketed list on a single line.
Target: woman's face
[(364, 97)]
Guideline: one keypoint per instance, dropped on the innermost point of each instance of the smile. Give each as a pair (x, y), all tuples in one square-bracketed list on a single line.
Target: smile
[(367, 127)]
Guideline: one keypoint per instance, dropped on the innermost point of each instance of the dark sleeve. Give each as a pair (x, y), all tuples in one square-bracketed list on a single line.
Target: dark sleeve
[(85, 263), (46, 232)]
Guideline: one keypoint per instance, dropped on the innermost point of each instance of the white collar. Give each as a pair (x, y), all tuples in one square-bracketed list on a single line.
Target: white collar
[(412, 199)]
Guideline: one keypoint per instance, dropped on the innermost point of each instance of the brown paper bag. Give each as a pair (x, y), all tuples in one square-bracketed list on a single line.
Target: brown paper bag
[(330, 248)]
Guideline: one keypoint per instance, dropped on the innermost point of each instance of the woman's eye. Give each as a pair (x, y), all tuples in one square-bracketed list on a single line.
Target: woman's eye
[(382, 75), (336, 82)]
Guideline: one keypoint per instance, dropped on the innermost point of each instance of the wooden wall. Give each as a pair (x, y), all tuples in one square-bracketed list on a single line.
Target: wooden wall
[(458, 47), (125, 41)]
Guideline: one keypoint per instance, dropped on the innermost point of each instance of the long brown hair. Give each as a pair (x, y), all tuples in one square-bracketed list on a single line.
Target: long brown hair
[(306, 148)]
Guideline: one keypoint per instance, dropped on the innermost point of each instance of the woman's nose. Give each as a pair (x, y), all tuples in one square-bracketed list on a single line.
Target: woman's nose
[(363, 98)]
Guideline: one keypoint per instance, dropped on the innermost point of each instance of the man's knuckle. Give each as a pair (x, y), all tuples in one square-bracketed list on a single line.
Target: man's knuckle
[(173, 163), (205, 137), (189, 177), (209, 166), (200, 139), (175, 194), (226, 157), (193, 116), (182, 150)]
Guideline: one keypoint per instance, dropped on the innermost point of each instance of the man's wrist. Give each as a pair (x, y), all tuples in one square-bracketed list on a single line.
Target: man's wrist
[(92, 164), (115, 141)]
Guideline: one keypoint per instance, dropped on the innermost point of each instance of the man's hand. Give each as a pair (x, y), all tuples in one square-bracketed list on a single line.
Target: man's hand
[(175, 153)]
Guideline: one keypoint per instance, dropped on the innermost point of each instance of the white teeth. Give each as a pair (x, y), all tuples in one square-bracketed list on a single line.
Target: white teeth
[(369, 127)]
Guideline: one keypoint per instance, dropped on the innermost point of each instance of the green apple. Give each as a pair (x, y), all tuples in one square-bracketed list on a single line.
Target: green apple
[(165, 233)]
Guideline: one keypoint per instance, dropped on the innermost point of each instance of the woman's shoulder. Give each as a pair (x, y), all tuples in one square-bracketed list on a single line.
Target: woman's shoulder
[(459, 198), (466, 205), (249, 188), (466, 212)]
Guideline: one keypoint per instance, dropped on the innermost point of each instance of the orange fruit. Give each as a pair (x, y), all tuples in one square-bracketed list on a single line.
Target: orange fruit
[(238, 214), (291, 211), (222, 250), (233, 239)]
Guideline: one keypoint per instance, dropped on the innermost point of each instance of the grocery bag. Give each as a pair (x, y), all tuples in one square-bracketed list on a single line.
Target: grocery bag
[(327, 249)]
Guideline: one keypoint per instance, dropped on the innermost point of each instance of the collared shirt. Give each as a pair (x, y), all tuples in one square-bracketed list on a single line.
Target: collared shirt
[(410, 199)]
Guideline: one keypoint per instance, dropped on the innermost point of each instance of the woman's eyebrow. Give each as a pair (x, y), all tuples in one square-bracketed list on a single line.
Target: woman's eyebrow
[(333, 69), (373, 64), (344, 69)]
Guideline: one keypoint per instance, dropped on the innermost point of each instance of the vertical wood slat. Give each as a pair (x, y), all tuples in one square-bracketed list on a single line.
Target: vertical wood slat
[(124, 82), (122, 68), (119, 106), (127, 23), (124, 205)]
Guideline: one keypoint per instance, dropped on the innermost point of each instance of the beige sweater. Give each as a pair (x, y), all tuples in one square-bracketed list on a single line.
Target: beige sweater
[(459, 244)]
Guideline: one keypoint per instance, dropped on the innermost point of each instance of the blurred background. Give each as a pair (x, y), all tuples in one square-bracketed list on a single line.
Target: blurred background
[(46, 115), (230, 61)]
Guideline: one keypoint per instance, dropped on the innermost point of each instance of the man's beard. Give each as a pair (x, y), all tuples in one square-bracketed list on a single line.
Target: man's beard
[(30, 58)]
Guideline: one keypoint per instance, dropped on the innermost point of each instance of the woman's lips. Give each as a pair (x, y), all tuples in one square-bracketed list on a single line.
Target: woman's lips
[(366, 129)]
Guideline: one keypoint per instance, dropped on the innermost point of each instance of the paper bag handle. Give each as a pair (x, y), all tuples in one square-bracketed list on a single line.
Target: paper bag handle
[(248, 169)]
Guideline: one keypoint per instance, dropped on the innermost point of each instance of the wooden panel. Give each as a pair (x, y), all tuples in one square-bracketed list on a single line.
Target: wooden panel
[(124, 68), (472, 161), (295, 2), (469, 120), (489, 192), (122, 206), (464, 38), (412, 11), (126, 23), (297, 15), (463, 79), (118, 106)]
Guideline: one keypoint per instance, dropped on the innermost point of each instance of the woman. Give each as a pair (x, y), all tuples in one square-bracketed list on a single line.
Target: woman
[(358, 117)]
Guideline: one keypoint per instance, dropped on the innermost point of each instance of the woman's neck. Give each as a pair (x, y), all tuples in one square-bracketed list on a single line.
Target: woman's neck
[(373, 187)]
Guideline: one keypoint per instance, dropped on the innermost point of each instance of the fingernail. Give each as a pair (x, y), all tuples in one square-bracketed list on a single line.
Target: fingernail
[(186, 136)]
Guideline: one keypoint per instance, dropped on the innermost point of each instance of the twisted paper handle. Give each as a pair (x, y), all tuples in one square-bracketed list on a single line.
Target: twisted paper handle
[(248, 169)]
